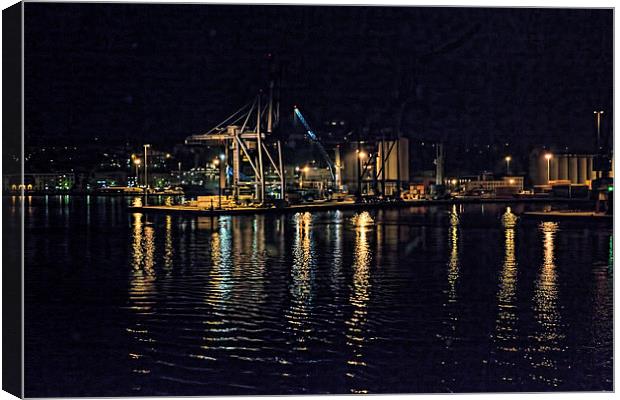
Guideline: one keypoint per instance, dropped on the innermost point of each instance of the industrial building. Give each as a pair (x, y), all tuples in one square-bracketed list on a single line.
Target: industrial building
[(547, 167), (375, 167)]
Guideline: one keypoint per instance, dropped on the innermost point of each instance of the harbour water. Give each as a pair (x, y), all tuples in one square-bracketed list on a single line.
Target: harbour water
[(451, 298)]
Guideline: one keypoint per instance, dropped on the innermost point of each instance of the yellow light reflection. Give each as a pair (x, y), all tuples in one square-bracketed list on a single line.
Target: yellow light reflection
[(451, 312), (505, 336), (548, 336), (254, 276), (359, 298), (149, 250), (168, 248), (142, 291), (137, 241), (137, 201), (453, 264), (302, 269)]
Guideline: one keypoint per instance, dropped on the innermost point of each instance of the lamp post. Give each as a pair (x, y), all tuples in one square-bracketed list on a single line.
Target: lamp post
[(548, 157), (508, 159), (146, 180), (598, 115), (137, 162), (301, 176), (217, 163), (360, 156)]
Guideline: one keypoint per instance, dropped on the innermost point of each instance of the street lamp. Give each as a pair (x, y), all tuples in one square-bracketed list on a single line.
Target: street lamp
[(598, 116), (136, 162), (360, 156), (301, 176), (146, 180), (217, 163), (548, 157), (508, 159)]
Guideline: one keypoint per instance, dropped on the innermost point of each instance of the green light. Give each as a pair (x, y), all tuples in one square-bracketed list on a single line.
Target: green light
[(610, 188)]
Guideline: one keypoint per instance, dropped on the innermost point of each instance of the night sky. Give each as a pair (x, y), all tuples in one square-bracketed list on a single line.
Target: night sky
[(467, 76)]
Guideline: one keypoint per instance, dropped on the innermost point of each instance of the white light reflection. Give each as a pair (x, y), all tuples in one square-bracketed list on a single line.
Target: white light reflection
[(336, 271), (254, 276), (220, 275)]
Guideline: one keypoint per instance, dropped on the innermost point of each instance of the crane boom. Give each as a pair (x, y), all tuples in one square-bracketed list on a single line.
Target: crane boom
[(316, 141)]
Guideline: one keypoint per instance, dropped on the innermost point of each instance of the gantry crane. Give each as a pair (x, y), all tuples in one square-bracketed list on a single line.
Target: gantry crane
[(251, 142)]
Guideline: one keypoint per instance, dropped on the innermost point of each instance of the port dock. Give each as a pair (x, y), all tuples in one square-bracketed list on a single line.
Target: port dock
[(569, 216), (340, 205)]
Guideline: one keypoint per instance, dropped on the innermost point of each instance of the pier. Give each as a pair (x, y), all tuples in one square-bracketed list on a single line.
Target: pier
[(340, 205)]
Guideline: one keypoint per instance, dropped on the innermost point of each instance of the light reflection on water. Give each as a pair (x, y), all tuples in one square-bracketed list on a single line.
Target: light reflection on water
[(506, 333), (438, 299), (548, 336), (302, 273), (453, 265), (359, 298), (142, 294)]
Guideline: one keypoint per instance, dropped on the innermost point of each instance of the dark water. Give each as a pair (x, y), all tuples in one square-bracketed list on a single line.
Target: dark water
[(430, 299)]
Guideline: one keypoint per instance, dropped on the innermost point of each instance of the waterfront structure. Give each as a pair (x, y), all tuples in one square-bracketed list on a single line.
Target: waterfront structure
[(547, 167), (375, 167), (313, 177), (392, 164), (508, 184), (249, 143), (39, 182), (102, 179)]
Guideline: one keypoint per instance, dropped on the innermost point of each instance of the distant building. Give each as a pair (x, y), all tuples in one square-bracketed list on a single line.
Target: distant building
[(163, 179), (39, 182), (399, 155), (394, 152), (102, 179)]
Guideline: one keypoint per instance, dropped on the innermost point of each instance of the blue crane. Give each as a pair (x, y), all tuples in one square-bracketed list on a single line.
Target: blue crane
[(314, 139)]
